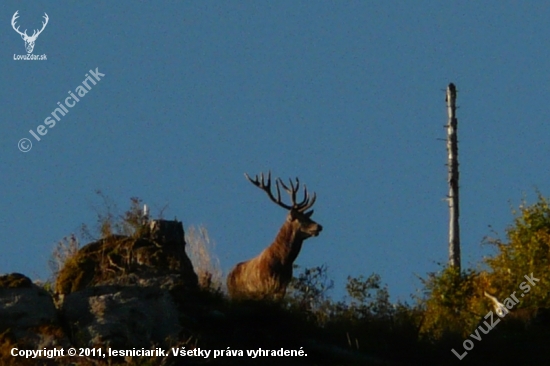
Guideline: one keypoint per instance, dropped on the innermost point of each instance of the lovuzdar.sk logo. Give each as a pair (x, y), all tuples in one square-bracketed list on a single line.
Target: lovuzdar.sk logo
[(29, 40)]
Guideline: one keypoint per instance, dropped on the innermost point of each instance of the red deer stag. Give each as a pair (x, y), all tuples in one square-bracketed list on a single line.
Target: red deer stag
[(268, 275)]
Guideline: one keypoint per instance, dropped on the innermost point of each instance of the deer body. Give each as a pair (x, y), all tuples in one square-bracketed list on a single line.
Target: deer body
[(268, 274)]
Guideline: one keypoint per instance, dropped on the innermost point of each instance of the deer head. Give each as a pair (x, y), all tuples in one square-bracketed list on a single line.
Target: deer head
[(298, 216), (29, 40)]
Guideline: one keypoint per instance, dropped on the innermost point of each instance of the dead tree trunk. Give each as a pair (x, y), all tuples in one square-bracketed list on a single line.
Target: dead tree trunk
[(452, 164)]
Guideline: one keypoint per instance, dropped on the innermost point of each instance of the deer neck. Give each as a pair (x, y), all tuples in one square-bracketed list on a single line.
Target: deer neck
[(287, 244)]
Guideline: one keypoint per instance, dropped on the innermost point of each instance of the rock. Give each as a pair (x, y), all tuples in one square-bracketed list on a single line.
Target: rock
[(117, 291), (121, 317), (158, 251), (28, 314)]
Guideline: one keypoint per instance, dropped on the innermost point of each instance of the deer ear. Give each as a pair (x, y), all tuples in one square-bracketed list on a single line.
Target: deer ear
[(308, 214)]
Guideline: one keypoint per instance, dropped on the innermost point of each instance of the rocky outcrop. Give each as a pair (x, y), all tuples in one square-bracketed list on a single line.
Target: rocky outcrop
[(27, 312), (119, 292), (155, 252), (121, 317), (141, 292)]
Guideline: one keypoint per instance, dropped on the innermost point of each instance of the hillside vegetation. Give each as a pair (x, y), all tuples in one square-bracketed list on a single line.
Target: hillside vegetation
[(453, 322)]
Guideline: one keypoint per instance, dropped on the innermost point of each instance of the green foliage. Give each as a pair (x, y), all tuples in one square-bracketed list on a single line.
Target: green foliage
[(452, 306), (368, 296), (526, 251), (308, 292), (366, 321), (455, 302)]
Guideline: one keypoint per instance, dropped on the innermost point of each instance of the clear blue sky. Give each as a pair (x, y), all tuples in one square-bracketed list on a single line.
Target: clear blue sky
[(347, 95)]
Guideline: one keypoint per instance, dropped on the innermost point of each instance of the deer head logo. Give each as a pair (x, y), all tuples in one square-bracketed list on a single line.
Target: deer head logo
[(29, 40)]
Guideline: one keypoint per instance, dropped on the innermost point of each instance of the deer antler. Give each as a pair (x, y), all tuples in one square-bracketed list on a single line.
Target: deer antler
[(24, 34), (43, 26), (13, 19), (266, 187), (306, 203)]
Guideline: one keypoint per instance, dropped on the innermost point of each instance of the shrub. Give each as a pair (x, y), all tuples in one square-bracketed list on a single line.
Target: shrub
[(455, 302), (109, 222), (526, 251), (308, 292)]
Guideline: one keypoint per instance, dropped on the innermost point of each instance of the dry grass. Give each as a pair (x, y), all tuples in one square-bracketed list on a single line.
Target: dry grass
[(65, 249), (200, 250)]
